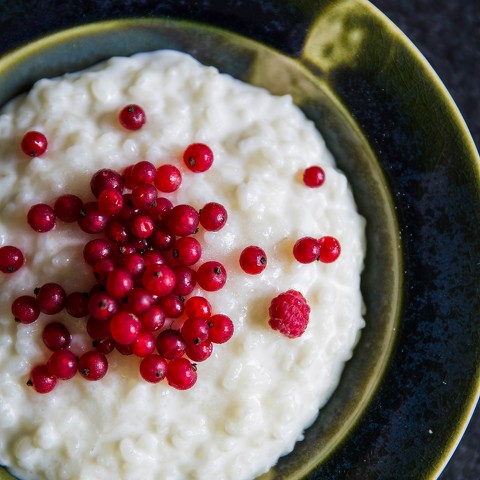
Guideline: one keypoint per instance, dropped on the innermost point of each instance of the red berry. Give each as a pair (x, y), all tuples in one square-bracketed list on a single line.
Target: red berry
[(159, 280), (132, 117), (211, 276), (124, 349), (187, 251), (56, 336), (289, 313), (181, 374), (34, 144), (253, 260), (93, 365), (91, 219), (95, 250), (198, 157), (119, 283), (142, 172), (51, 298), (106, 179), (172, 305), (102, 306), (41, 380), (198, 307), (117, 231), (129, 210), (41, 217), (306, 250), (104, 345), (142, 226), (124, 327), (11, 259), (139, 300), (168, 178), (170, 344), (213, 216), (153, 368), (158, 211), (110, 201), (153, 258), (134, 263), (98, 329), (199, 352), (314, 176), (76, 304), (102, 268), (186, 280), (144, 344), (67, 208), (182, 220), (329, 249), (152, 319), (221, 328), (144, 196), (62, 364), (25, 309), (195, 330)]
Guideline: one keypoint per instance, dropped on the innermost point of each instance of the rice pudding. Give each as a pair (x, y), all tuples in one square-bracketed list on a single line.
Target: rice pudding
[(258, 392)]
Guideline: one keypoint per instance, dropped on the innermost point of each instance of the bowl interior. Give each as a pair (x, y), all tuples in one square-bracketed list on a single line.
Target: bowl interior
[(254, 63)]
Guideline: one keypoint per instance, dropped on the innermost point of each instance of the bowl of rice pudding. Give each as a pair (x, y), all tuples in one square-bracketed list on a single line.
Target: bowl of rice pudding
[(332, 390)]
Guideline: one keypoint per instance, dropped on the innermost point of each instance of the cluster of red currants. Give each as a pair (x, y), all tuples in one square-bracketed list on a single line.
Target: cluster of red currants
[(142, 259)]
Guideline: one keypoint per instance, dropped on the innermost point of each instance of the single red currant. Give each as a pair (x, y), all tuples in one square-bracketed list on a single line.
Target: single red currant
[(67, 208), (182, 220), (158, 211), (213, 216), (198, 307), (199, 352), (123, 349), (161, 239), (102, 268), (119, 283), (187, 251), (314, 176), (106, 179), (139, 300), (153, 258), (221, 328), (95, 250), (93, 365), (170, 344), (186, 280), (198, 157), (144, 196), (306, 250), (132, 117), (25, 309), (159, 280), (62, 364), (91, 219), (195, 330), (144, 344), (41, 380), (181, 374), (124, 327), (152, 319), (172, 305), (153, 368), (253, 260), (34, 143), (142, 172), (98, 329), (117, 231), (134, 263), (110, 202), (11, 259), (41, 217), (51, 298), (142, 226), (76, 304), (56, 336), (329, 249), (102, 306), (211, 276), (104, 345), (168, 178)]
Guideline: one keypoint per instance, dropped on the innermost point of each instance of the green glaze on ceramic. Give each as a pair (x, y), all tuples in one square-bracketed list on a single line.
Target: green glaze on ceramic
[(406, 395)]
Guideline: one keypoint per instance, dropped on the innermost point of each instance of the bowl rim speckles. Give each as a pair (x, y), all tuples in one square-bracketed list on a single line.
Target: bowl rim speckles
[(428, 166)]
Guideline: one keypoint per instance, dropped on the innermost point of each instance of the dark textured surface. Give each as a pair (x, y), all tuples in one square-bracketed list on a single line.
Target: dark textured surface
[(448, 34)]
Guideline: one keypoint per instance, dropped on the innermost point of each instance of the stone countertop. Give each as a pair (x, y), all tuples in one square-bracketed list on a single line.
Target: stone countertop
[(447, 32)]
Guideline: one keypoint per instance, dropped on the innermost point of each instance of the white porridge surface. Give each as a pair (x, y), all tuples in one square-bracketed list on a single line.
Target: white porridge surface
[(258, 392)]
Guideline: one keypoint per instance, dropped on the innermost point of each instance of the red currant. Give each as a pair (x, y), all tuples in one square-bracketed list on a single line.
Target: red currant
[(182, 220), (41, 217), (329, 249), (134, 263), (170, 344), (306, 250), (220, 328), (11, 259), (106, 179), (159, 280), (41, 380), (195, 330), (142, 226), (187, 251), (162, 206), (104, 345), (168, 178), (253, 260), (62, 364), (314, 176), (119, 283), (152, 319), (139, 300), (198, 307), (132, 117), (144, 344), (34, 143), (153, 258), (213, 216), (153, 368), (25, 309), (56, 336), (199, 352), (186, 280), (76, 304), (98, 329), (67, 208), (102, 268), (95, 250), (144, 196), (51, 298), (172, 305), (124, 327), (198, 157), (102, 306), (211, 276), (181, 374), (142, 172), (117, 231), (93, 365), (110, 201), (91, 219)]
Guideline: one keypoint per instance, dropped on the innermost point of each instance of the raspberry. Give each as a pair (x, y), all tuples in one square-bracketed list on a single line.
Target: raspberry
[(289, 313)]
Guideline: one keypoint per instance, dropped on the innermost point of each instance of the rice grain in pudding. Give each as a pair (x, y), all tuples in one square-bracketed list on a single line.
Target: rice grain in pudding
[(257, 393)]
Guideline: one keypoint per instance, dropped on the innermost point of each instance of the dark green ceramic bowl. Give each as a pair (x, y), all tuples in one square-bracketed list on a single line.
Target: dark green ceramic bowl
[(406, 395)]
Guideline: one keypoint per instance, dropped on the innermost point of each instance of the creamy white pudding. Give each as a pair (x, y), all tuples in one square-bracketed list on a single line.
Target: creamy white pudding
[(257, 393)]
